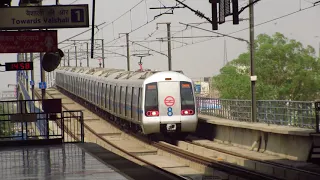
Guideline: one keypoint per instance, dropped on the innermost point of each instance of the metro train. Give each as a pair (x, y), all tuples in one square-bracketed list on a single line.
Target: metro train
[(150, 102)]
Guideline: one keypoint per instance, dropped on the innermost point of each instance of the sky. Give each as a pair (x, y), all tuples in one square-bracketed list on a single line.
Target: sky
[(196, 57)]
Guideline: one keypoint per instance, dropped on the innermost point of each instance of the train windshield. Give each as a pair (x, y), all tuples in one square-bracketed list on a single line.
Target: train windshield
[(151, 98), (187, 99)]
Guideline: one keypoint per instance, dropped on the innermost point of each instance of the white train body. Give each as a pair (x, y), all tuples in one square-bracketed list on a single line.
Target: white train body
[(157, 102)]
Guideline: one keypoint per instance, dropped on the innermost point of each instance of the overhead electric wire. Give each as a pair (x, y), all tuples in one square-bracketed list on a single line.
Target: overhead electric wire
[(259, 24), (136, 28)]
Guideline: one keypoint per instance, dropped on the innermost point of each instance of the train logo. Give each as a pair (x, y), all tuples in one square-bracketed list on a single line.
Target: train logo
[(169, 101), (170, 113)]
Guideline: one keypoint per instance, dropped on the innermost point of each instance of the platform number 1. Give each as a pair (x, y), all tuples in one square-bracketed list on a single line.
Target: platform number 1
[(77, 15)]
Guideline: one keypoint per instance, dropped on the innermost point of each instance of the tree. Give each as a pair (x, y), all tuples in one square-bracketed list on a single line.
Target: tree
[(285, 70)]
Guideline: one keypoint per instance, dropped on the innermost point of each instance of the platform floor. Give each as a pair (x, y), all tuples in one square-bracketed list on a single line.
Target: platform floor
[(86, 161)]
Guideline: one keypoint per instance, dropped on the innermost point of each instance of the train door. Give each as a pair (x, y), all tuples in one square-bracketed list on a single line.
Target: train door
[(169, 103)]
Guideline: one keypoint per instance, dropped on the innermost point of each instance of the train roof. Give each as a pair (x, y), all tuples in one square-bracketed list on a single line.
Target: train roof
[(114, 74)]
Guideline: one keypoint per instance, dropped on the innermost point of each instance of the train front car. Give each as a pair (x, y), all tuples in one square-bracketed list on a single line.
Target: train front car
[(169, 104)]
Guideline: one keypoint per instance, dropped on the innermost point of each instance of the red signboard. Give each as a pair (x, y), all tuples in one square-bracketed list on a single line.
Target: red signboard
[(28, 41)]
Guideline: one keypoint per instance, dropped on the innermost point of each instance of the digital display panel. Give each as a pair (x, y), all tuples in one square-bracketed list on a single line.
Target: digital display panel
[(16, 66), (151, 87), (185, 85)]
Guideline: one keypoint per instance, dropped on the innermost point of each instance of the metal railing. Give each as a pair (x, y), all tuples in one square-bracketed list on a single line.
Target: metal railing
[(23, 120), (288, 113)]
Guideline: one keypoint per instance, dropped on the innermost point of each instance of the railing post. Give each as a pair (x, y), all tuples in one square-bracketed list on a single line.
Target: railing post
[(48, 126), (62, 126), (317, 109), (82, 126)]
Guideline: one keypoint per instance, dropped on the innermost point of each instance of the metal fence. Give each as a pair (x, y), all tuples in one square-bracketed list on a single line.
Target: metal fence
[(288, 113), (23, 120)]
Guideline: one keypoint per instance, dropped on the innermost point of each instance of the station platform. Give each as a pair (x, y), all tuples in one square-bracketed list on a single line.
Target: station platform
[(81, 161), (283, 142)]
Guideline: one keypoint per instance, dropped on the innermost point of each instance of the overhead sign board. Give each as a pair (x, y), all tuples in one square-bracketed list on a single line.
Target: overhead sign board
[(28, 41), (37, 17)]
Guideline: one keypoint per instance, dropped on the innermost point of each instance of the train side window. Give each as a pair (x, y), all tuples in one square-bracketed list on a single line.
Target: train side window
[(140, 104), (111, 98), (88, 89), (107, 96), (99, 93), (120, 100), (91, 90), (128, 102), (137, 102), (132, 103), (71, 84), (123, 100), (115, 98), (85, 88), (95, 94), (102, 94), (78, 85)]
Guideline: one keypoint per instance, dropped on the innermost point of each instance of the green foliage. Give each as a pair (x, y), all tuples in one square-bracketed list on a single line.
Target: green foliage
[(285, 70)]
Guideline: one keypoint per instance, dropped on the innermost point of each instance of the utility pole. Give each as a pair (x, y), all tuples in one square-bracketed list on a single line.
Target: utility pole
[(27, 74), (128, 52), (75, 53), (43, 76), (169, 44), (32, 78), (68, 58), (87, 54), (102, 49), (253, 77)]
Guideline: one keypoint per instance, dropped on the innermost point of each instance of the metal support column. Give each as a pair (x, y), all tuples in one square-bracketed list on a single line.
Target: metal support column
[(253, 81), (32, 78), (68, 58), (88, 55), (27, 74), (75, 53), (43, 77), (169, 46), (128, 52), (102, 49)]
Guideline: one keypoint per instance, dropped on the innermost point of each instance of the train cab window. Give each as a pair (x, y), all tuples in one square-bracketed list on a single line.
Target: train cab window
[(187, 98), (151, 99)]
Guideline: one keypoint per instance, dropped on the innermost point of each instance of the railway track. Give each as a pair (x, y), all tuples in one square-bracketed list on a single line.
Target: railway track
[(214, 169)]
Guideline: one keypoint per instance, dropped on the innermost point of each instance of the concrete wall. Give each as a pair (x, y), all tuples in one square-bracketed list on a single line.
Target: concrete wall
[(293, 145)]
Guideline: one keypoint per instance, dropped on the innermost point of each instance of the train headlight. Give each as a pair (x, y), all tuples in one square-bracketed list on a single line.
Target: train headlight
[(187, 112), (152, 113)]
